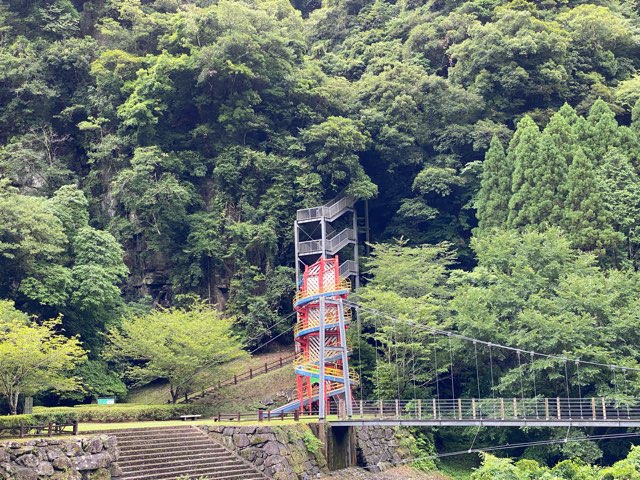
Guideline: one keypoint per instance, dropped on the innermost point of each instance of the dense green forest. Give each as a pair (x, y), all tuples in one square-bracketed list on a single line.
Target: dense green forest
[(154, 152), (186, 134)]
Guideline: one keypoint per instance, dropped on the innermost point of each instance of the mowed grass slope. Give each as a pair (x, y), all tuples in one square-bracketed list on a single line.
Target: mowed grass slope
[(246, 396)]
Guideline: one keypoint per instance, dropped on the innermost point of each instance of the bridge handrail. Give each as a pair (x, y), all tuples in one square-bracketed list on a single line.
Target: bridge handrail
[(529, 409)]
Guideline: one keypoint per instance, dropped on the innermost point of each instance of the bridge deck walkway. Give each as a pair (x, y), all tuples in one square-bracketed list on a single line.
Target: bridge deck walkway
[(496, 412)]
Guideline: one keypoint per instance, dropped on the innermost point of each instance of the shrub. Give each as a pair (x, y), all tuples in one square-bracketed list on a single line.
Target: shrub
[(14, 421), (115, 413), (312, 442)]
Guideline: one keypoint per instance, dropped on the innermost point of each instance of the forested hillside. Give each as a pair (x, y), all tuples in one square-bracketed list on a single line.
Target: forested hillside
[(154, 152), (186, 133)]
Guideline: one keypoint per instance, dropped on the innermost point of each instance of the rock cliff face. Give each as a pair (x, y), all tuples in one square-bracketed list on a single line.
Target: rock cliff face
[(92, 458), (282, 453)]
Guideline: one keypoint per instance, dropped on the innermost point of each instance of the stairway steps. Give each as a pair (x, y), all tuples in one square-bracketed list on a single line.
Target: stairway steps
[(132, 435), (173, 459), (209, 465), (141, 454), (151, 438), (138, 434), (168, 442), (187, 449), (176, 460), (145, 430), (213, 473), (171, 452), (185, 453)]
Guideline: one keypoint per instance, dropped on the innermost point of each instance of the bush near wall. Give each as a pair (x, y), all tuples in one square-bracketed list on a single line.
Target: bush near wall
[(14, 421), (102, 414)]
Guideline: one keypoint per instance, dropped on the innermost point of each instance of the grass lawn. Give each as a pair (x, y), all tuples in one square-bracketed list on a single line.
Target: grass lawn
[(85, 428), (255, 393)]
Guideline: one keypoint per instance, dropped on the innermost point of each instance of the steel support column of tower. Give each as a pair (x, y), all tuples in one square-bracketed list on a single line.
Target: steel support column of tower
[(322, 386), (345, 359), (296, 234), (355, 246)]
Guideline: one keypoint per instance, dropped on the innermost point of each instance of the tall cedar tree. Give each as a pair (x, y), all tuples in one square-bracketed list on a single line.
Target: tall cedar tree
[(621, 191), (586, 216), (599, 132), (495, 191), (525, 173)]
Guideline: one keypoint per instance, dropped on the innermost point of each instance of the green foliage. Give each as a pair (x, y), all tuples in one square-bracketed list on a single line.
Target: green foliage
[(573, 175), (116, 413), (195, 128), (175, 345), (535, 291), (98, 380), (586, 216), (31, 240), (13, 422), (35, 357), (525, 175), (312, 442), (492, 204), (182, 137), (408, 283), (55, 261), (332, 146), (503, 468)]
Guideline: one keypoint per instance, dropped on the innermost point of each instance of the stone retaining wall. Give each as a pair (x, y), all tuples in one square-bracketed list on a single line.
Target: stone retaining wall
[(282, 453), (380, 447), (91, 458)]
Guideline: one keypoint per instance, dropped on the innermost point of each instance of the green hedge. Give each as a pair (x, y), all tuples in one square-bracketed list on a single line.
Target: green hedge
[(102, 414), (14, 421)]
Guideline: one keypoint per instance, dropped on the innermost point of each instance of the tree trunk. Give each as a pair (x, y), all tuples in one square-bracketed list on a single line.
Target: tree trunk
[(13, 401), (175, 394)]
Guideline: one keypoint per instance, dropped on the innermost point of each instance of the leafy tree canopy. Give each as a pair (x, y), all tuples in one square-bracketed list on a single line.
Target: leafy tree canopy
[(34, 357), (176, 345)]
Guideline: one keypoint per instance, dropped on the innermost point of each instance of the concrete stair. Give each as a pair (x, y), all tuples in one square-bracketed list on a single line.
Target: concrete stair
[(174, 452)]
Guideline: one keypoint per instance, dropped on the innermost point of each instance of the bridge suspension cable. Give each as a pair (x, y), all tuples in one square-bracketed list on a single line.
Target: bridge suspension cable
[(451, 334)]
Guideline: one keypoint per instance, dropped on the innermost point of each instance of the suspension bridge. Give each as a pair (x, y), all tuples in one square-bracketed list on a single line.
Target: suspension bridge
[(325, 382)]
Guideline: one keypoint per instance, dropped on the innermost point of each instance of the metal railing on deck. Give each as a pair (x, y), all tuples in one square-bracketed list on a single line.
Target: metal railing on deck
[(462, 409)]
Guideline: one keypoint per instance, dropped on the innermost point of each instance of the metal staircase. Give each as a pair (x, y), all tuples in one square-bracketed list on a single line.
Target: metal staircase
[(322, 360), (330, 211), (316, 236)]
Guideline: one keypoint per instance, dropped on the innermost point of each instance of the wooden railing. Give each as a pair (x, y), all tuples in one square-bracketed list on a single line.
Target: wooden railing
[(49, 429), (244, 376)]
